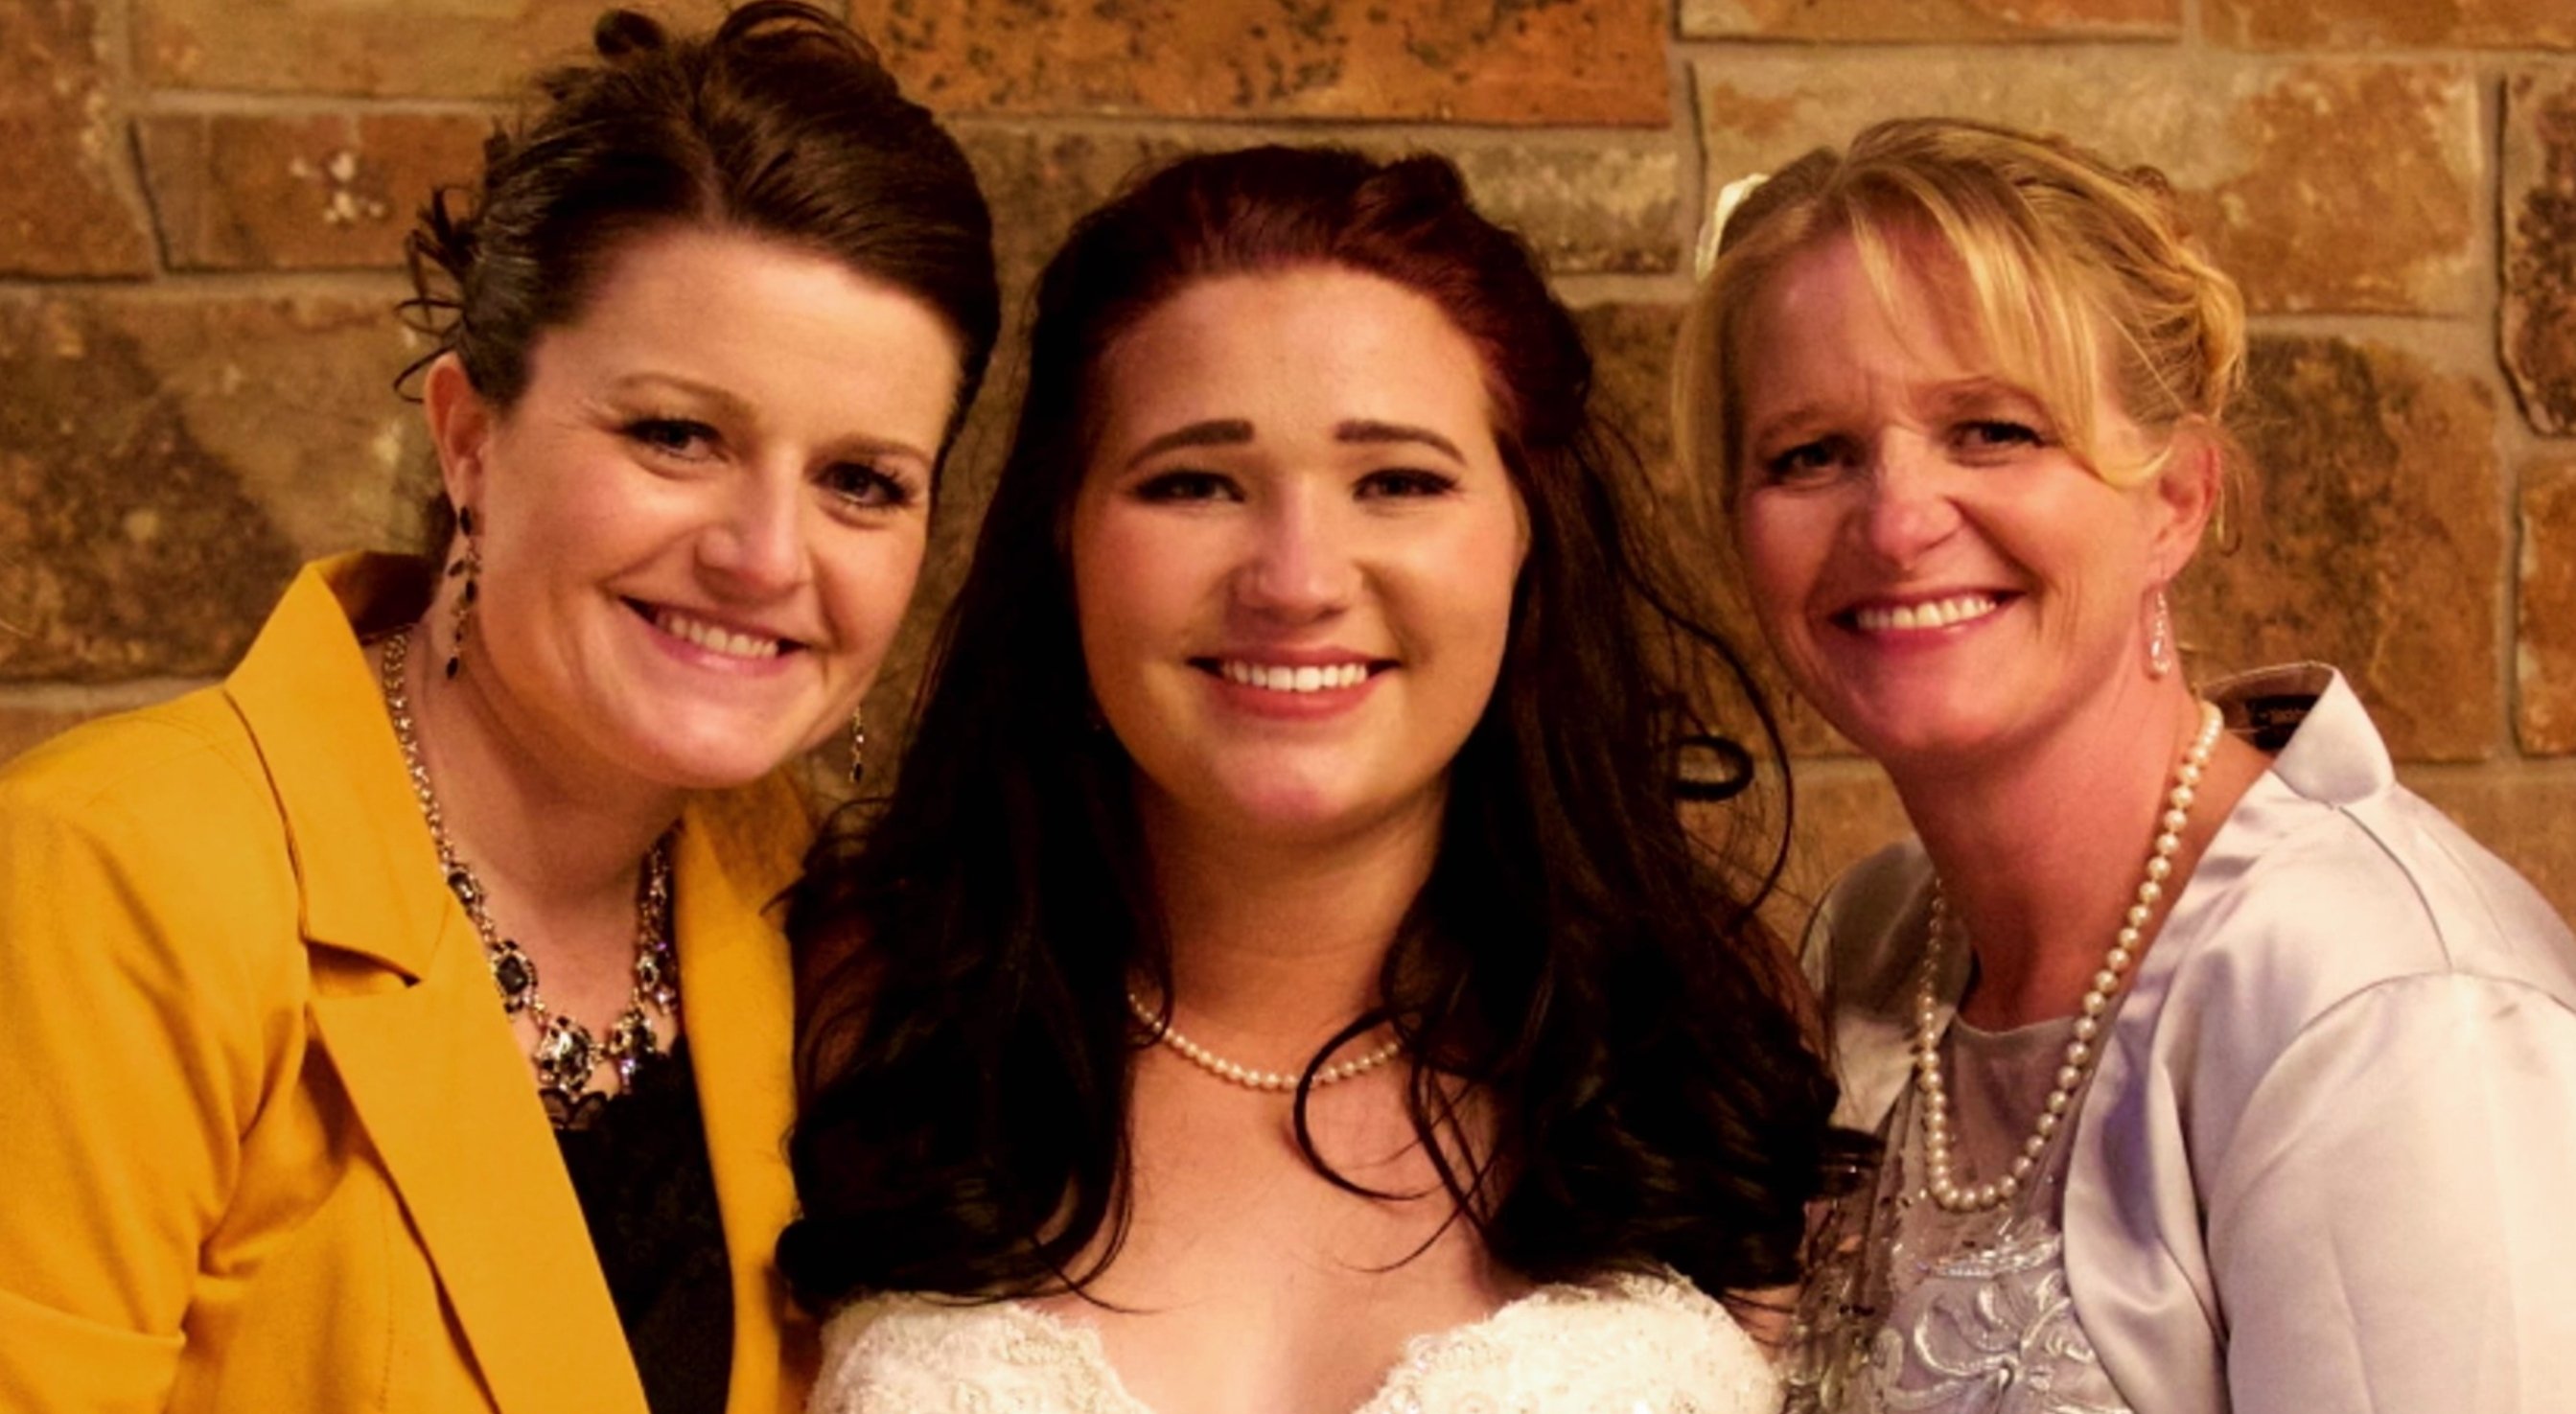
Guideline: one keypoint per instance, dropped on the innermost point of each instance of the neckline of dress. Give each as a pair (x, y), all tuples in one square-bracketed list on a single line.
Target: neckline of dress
[(1082, 1340)]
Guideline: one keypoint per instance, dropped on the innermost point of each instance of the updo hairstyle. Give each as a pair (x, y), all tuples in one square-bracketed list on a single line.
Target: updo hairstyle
[(2072, 275), (780, 124)]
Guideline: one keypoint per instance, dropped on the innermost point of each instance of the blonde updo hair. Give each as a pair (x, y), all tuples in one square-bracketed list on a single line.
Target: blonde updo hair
[(2072, 276)]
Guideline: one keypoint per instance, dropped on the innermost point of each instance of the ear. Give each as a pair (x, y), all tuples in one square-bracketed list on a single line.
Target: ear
[(2186, 493), (460, 427)]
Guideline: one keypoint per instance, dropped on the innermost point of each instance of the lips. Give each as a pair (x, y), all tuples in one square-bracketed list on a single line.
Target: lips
[(1913, 615), (728, 641)]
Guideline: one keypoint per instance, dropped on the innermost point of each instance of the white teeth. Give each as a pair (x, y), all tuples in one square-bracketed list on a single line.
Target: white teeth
[(1279, 677), (1937, 613), (713, 638)]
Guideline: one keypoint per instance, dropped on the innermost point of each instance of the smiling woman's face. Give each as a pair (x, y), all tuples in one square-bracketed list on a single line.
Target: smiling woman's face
[(701, 521), (1940, 576), (1294, 552)]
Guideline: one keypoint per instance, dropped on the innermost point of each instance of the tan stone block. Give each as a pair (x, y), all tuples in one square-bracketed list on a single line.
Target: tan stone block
[(264, 192), (1600, 62), (2342, 186), (2526, 814), (2539, 218), (1594, 209), (2390, 24), (1938, 21), (1632, 354), (1589, 208), (2378, 545), (22, 727), (1845, 811), (2545, 646), (61, 210), (165, 464), (452, 48), (1632, 348), (30, 716), (1039, 183)]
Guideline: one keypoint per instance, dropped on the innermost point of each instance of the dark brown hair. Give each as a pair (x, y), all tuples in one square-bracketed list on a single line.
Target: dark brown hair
[(1589, 968), (780, 123)]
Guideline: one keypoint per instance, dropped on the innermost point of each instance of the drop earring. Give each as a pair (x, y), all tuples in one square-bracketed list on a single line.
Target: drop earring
[(468, 566), (2160, 638), (858, 745)]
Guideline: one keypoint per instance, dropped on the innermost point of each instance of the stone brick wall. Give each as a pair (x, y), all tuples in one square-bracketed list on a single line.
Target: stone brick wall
[(203, 203)]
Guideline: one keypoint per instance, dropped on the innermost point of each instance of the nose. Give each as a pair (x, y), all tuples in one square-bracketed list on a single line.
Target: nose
[(1300, 565), (1908, 508), (754, 538)]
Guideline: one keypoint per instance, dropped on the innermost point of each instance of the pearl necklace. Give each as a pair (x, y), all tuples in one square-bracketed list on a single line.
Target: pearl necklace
[(1245, 1075), (566, 1053), (1940, 1176)]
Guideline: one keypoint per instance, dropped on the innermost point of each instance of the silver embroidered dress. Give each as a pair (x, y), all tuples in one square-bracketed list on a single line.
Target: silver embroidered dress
[(1925, 1311)]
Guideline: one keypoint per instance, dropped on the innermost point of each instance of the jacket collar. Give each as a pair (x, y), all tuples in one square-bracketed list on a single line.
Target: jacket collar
[(404, 1006), (363, 858), (2322, 743)]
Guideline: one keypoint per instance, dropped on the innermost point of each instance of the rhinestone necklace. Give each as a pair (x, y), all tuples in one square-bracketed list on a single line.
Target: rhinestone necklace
[(1245, 1075), (566, 1054), (1940, 1174)]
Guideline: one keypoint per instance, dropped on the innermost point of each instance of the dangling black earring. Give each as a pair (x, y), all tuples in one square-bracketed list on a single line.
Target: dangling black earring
[(858, 745), (470, 566)]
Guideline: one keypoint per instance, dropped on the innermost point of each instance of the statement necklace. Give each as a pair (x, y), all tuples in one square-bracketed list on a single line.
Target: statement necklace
[(1245, 1075), (566, 1054), (1940, 1175)]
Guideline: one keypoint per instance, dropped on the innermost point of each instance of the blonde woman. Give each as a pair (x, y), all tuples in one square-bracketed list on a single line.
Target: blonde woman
[(2214, 1069)]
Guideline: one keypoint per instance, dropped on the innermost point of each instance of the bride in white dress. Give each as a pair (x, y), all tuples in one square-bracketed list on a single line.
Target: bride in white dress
[(1280, 980)]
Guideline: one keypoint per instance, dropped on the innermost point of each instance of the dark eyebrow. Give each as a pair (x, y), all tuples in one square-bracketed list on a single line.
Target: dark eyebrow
[(1366, 431), (1217, 432), (729, 404), (722, 399)]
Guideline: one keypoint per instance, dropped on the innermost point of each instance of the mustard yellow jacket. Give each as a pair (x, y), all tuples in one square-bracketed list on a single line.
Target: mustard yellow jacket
[(266, 1141)]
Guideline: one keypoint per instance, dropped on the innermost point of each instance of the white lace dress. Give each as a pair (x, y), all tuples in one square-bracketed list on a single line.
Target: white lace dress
[(1631, 1345)]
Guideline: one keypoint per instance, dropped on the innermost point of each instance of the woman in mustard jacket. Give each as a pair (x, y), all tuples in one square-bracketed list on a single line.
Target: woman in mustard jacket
[(398, 1026)]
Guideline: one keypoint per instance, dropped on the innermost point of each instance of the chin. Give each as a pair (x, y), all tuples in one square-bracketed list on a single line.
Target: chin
[(1323, 813), (697, 776), (709, 763), (1276, 810), (1293, 814), (1894, 739)]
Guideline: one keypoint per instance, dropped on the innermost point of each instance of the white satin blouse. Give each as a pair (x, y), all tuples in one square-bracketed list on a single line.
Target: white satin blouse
[(2328, 1160)]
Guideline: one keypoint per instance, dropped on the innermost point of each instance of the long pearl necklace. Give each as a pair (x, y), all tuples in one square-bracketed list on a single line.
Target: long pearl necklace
[(1244, 1075), (566, 1053), (1940, 1175)]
